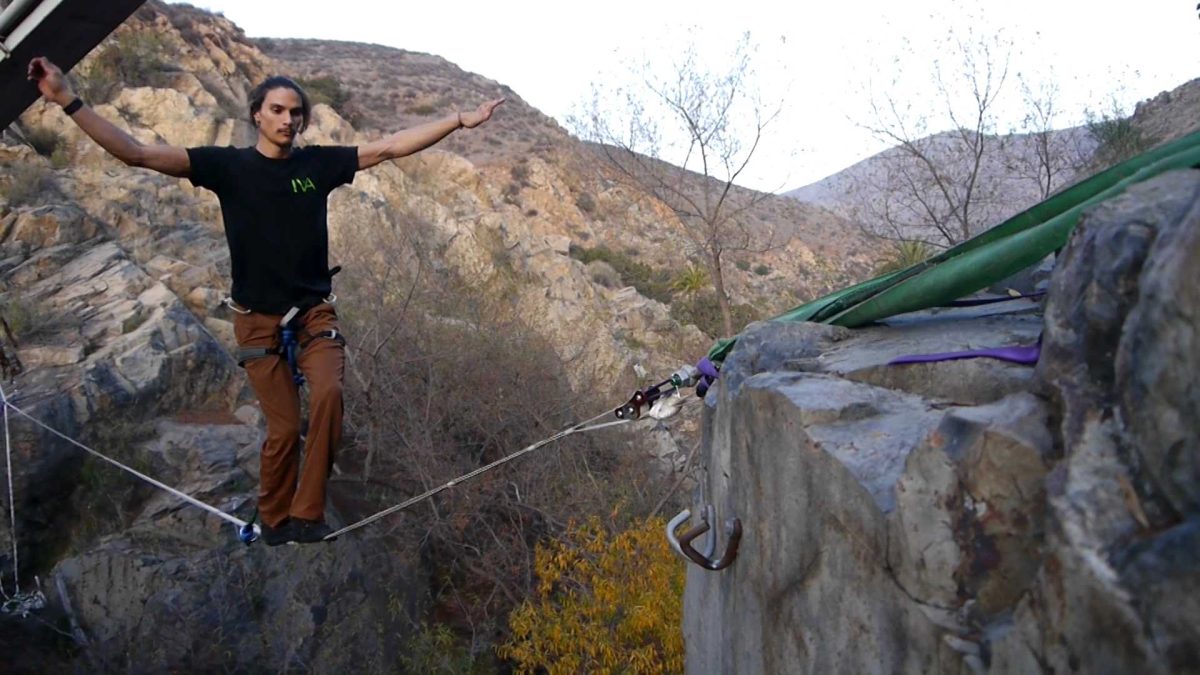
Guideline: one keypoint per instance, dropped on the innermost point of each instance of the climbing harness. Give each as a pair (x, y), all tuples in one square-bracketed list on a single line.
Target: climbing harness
[(290, 344)]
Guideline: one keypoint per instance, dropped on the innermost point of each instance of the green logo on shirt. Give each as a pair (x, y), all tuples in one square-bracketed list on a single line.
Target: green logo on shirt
[(302, 185)]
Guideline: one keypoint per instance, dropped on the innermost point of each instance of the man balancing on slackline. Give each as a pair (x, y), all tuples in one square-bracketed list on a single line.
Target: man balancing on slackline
[(273, 201)]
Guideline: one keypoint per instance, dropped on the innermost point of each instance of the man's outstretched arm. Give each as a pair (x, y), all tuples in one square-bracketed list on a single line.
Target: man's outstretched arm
[(408, 141), (166, 159)]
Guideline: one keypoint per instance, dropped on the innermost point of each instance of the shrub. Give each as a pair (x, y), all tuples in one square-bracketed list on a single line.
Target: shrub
[(762, 270), (61, 158), (420, 334), (692, 279), (520, 173), (106, 499), (27, 183), (30, 319), (1117, 137), (743, 265), (603, 274), (44, 142), (424, 110), (585, 202), (652, 283), (606, 602), (436, 649), (703, 311), (327, 90), (904, 254), (132, 58)]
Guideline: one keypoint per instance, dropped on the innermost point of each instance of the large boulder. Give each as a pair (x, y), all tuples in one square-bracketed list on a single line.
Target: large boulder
[(1117, 587), (955, 516), (179, 590), (875, 519), (109, 346)]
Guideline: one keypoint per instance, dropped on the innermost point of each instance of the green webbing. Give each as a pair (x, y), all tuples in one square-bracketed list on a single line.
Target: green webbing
[(994, 255)]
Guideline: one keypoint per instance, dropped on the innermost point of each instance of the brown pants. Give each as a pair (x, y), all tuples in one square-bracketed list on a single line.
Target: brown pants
[(283, 489)]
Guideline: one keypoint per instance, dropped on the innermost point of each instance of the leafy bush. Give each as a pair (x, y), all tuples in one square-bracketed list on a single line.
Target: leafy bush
[(30, 319), (762, 270), (327, 90), (602, 273), (106, 499), (692, 279), (1117, 137), (60, 158), (27, 183), (703, 311), (520, 173), (743, 265), (436, 649), (904, 254), (652, 283), (606, 602), (132, 58), (45, 142), (424, 110), (585, 202)]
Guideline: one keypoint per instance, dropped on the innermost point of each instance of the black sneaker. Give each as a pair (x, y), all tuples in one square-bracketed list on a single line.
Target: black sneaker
[(309, 531), (281, 534)]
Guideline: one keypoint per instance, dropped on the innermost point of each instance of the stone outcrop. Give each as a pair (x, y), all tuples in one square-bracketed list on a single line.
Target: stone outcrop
[(119, 361), (971, 516)]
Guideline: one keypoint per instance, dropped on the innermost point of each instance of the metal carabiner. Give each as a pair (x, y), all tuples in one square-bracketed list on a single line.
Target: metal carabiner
[(733, 528)]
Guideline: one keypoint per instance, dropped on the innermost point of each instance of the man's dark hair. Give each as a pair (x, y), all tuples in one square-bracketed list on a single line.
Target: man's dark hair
[(259, 94)]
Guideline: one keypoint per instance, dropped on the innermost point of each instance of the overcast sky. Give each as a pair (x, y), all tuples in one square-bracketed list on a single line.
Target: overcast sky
[(817, 57)]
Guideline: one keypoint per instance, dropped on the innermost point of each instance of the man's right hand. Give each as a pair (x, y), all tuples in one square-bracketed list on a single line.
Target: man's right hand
[(54, 87), (50, 81)]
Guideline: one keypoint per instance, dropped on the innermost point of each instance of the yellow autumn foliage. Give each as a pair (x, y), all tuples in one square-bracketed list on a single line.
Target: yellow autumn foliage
[(605, 603)]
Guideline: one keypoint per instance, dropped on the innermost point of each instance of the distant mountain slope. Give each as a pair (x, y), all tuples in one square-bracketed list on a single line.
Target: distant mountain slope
[(832, 192), (1165, 117)]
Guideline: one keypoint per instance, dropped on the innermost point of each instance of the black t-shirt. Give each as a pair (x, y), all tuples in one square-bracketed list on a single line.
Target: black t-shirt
[(274, 212)]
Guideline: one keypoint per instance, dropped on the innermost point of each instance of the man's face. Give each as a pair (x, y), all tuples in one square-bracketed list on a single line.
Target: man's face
[(281, 116)]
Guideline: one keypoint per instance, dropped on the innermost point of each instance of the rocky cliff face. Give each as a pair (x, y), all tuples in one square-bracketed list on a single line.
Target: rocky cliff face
[(971, 516)]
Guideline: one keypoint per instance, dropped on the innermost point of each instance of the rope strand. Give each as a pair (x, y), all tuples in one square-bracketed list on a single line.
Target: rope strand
[(156, 483), (483, 469), (12, 505)]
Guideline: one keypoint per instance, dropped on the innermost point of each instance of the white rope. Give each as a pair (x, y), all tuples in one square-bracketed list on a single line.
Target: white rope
[(158, 484), (12, 504), (580, 427)]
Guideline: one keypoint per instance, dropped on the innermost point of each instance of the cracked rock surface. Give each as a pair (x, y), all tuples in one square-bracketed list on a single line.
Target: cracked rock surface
[(971, 516)]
